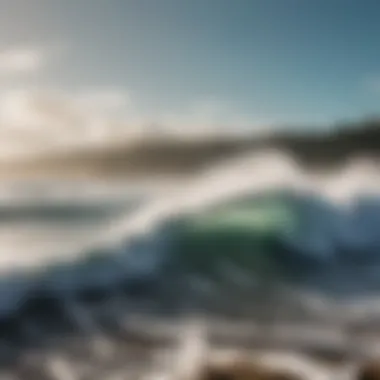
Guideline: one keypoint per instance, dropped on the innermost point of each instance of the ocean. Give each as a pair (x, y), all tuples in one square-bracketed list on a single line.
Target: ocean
[(83, 258)]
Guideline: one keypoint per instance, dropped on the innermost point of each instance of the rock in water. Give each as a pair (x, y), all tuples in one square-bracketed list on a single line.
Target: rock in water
[(369, 370)]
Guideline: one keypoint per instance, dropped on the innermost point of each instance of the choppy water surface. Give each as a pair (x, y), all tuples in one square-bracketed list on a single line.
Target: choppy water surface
[(257, 238)]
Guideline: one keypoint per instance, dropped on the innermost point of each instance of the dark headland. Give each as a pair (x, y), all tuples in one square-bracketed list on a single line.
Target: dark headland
[(173, 156)]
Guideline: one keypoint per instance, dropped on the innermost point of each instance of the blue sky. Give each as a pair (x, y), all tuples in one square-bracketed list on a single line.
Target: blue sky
[(188, 62)]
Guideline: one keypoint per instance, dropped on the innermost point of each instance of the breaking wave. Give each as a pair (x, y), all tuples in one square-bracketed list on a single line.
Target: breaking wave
[(257, 219)]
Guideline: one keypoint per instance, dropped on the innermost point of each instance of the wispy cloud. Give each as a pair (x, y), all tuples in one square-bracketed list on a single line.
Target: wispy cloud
[(106, 99), (210, 115), (20, 60)]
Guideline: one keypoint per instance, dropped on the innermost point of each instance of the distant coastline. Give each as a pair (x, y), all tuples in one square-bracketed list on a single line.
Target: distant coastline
[(175, 157)]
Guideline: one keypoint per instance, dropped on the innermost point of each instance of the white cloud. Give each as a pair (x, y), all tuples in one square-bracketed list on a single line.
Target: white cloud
[(20, 60), (58, 118), (33, 109), (42, 118)]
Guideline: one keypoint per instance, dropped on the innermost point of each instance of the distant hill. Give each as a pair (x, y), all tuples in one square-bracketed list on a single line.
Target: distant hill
[(176, 156)]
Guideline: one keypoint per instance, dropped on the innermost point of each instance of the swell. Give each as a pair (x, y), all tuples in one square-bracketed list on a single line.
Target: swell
[(137, 263)]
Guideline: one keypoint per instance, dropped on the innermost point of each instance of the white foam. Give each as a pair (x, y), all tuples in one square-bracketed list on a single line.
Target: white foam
[(249, 174)]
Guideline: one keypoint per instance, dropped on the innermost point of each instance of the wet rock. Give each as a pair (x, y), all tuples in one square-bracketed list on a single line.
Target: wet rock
[(369, 370), (244, 369)]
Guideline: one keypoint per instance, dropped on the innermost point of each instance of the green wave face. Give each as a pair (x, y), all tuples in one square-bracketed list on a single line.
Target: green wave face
[(243, 233)]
